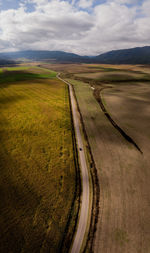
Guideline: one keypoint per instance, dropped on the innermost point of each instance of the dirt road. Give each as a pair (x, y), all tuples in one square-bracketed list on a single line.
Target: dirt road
[(83, 218)]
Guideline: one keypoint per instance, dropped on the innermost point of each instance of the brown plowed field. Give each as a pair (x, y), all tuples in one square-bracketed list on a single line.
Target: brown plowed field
[(124, 173)]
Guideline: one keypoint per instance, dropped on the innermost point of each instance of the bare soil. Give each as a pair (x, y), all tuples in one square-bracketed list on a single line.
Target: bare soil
[(124, 173)]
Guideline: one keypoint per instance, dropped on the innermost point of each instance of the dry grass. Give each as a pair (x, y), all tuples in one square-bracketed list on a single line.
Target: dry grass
[(36, 162)]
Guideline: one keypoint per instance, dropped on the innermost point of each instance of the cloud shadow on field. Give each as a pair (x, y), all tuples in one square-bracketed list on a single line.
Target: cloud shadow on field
[(10, 77), (24, 218)]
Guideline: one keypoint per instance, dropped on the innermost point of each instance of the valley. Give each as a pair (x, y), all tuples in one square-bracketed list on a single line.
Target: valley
[(42, 183)]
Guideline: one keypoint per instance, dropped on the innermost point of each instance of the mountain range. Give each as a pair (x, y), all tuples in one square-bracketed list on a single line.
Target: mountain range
[(138, 55)]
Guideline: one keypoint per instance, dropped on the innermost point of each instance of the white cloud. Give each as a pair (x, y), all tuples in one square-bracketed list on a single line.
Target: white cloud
[(124, 1), (85, 3), (61, 25), (146, 8)]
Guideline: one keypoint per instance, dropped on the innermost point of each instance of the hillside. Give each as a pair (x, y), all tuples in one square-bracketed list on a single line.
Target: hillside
[(4, 62), (139, 55), (58, 56)]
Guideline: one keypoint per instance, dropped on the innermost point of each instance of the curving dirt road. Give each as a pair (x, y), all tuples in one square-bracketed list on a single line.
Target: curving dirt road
[(82, 223)]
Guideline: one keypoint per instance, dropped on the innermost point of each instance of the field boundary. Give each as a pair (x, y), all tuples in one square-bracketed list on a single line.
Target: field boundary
[(67, 239), (97, 94)]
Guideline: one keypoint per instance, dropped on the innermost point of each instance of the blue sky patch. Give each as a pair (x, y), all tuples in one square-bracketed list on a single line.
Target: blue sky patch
[(14, 4), (8, 4)]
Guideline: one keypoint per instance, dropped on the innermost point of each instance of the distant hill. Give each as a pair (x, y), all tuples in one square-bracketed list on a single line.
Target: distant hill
[(139, 55), (5, 62), (57, 56)]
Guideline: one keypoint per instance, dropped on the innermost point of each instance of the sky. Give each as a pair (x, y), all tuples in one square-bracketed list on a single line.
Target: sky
[(85, 27)]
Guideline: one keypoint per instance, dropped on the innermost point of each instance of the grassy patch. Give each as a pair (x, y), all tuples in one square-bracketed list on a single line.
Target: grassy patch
[(103, 68), (36, 162), (15, 76), (17, 68)]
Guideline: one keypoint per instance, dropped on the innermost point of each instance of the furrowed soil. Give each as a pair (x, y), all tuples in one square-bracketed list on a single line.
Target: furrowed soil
[(124, 172), (37, 169)]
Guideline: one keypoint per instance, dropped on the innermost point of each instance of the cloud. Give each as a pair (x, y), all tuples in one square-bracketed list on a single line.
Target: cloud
[(145, 9), (63, 25), (85, 3)]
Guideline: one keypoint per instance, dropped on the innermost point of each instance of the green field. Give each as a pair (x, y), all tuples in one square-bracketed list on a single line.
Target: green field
[(36, 161)]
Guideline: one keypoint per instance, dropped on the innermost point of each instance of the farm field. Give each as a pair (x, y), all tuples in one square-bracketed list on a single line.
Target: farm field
[(129, 105), (38, 174), (83, 69), (123, 171), (114, 75)]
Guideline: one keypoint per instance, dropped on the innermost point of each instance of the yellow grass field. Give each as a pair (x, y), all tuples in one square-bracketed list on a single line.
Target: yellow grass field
[(37, 168)]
